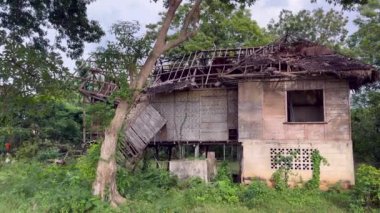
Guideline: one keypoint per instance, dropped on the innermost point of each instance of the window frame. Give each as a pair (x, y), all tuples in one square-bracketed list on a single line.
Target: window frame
[(305, 122)]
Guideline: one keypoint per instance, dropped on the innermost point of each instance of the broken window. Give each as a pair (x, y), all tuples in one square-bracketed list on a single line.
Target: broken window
[(305, 106)]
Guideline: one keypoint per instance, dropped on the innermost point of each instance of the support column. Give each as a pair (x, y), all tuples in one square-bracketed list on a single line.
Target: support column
[(196, 151)]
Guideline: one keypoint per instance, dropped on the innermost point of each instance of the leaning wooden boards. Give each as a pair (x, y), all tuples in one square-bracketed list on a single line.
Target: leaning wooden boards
[(142, 126)]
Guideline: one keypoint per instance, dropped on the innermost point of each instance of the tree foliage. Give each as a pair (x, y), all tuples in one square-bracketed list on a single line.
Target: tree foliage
[(221, 26), (366, 126), (26, 71), (365, 41), (317, 25), (34, 82), (364, 44), (29, 21), (123, 56), (40, 119)]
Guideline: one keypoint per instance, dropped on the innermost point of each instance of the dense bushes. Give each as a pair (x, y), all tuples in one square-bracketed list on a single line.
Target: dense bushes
[(87, 164), (365, 117), (35, 186), (42, 118), (367, 188), (40, 187)]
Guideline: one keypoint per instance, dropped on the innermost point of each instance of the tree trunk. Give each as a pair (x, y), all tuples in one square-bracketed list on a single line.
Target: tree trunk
[(105, 182), (106, 170)]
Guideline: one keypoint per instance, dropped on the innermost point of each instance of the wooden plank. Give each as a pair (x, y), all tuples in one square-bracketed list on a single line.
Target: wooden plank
[(152, 122), (187, 122), (250, 110), (188, 96), (212, 136), (134, 140), (165, 109), (141, 129), (214, 118), (189, 135), (214, 126), (217, 131), (149, 121), (157, 119), (189, 108)]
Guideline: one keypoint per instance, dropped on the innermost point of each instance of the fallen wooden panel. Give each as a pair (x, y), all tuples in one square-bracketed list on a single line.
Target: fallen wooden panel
[(143, 123)]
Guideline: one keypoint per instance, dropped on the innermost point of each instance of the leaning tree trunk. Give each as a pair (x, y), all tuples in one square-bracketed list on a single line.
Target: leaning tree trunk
[(106, 170)]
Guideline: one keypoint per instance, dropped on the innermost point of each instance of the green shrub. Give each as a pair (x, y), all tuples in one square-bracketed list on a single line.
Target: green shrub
[(227, 191), (281, 176), (367, 188), (46, 188), (224, 172), (41, 150), (280, 179), (27, 150), (147, 184), (48, 153), (87, 164), (256, 193), (317, 159)]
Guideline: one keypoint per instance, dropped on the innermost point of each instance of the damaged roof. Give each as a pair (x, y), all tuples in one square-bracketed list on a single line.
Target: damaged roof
[(287, 58)]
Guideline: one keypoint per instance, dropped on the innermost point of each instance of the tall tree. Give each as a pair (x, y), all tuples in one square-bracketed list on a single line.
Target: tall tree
[(105, 182), (29, 21), (124, 55), (366, 126), (31, 68), (365, 41), (221, 26), (317, 25), (365, 45)]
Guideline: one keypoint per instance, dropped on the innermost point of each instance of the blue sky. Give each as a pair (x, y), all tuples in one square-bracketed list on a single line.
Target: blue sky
[(107, 12)]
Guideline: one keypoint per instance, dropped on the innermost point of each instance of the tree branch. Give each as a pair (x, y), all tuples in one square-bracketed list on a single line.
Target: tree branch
[(161, 45), (170, 14), (191, 20)]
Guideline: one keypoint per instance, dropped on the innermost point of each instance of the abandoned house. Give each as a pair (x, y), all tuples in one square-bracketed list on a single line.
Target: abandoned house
[(290, 97)]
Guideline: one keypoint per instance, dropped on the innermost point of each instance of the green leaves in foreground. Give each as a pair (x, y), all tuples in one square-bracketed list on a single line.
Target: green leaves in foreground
[(48, 188)]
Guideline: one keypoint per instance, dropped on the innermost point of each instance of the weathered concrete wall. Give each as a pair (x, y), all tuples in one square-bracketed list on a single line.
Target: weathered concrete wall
[(250, 108), (263, 126), (183, 169), (198, 115), (262, 111), (258, 160)]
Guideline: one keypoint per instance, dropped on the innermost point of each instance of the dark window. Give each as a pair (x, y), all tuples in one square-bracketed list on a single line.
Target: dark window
[(232, 134), (305, 106)]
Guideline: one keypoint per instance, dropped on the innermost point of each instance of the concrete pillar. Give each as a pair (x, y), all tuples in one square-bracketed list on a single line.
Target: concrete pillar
[(196, 151)]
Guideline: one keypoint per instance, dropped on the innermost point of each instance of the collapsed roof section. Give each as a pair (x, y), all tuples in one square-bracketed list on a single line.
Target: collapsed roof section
[(288, 58)]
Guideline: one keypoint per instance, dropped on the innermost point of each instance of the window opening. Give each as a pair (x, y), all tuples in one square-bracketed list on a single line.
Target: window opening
[(305, 106)]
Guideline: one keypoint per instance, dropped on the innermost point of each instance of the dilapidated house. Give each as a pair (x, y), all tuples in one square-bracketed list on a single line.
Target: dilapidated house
[(290, 97)]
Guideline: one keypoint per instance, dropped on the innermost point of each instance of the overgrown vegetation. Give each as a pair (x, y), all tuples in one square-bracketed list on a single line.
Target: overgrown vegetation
[(40, 187), (317, 159), (281, 176), (41, 118), (367, 188)]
